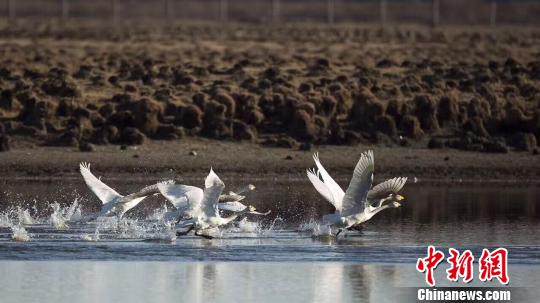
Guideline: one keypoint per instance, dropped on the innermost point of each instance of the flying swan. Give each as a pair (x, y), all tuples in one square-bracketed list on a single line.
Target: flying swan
[(200, 207), (231, 202), (360, 202), (114, 204), (228, 202)]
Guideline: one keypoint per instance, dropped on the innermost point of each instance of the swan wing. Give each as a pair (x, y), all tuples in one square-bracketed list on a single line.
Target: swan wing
[(333, 187), (232, 206), (231, 197), (238, 207), (245, 189), (213, 189), (320, 186), (100, 189), (355, 196), (129, 204), (181, 196), (382, 190), (259, 213), (143, 193), (212, 179)]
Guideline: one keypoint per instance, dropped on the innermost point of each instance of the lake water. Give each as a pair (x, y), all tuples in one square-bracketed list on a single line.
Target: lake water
[(275, 260)]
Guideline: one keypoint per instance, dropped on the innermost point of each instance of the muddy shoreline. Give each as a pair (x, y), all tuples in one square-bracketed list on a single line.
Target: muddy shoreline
[(434, 103), (174, 160), (466, 89)]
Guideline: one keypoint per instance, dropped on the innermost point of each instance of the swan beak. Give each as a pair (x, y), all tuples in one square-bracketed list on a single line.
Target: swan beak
[(400, 197)]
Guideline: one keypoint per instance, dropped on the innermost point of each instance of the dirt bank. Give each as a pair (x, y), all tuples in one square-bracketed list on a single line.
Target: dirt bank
[(166, 160), (75, 86)]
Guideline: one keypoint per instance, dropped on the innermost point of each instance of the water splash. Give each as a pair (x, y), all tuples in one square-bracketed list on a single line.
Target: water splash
[(316, 228), (62, 215), (74, 212), (163, 231), (24, 217), (107, 223), (5, 220), (308, 226), (134, 229), (248, 227), (77, 215), (19, 233), (130, 229), (158, 214), (91, 238), (321, 230), (57, 219), (272, 228), (159, 225)]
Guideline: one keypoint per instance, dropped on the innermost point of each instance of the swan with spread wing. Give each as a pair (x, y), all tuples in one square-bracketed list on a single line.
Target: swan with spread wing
[(360, 202), (201, 208), (227, 203), (114, 204)]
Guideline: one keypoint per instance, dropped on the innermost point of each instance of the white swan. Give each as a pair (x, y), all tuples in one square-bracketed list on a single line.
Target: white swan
[(236, 207), (200, 206), (114, 204), (360, 202), (229, 202), (235, 197)]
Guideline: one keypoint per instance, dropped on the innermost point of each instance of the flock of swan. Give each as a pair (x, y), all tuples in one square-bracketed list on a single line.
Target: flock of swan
[(199, 210)]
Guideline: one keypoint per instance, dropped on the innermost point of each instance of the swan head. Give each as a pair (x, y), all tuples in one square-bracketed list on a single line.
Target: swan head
[(251, 208), (395, 199), (392, 200), (251, 187)]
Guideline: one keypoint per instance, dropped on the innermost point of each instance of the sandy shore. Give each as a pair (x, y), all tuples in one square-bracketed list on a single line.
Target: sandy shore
[(167, 159)]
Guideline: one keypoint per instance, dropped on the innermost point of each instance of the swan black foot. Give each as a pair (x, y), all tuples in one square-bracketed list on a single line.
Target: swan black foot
[(339, 231), (184, 233), (204, 236), (355, 227)]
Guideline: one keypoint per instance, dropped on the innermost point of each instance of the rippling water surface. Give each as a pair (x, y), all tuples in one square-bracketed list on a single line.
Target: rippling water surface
[(273, 252)]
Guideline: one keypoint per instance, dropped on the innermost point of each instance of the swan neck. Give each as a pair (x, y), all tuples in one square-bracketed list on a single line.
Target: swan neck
[(231, 218), (378, 209)]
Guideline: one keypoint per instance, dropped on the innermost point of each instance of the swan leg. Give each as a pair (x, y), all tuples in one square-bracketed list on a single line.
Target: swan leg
[(339, 231), (184, 233), (357, 227), (204, 236), (180, 219)]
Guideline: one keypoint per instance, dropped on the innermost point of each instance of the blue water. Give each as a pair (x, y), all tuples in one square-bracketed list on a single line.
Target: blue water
[(279, 260), (113, 281)]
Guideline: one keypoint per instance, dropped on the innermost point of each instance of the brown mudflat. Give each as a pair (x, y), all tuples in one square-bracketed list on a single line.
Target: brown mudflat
[(166, 160), (247, 96)]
